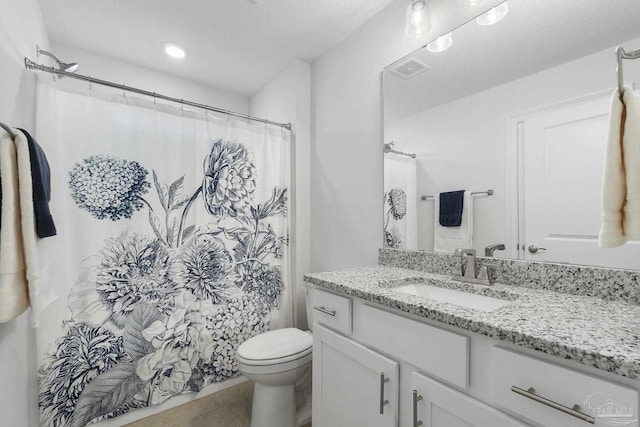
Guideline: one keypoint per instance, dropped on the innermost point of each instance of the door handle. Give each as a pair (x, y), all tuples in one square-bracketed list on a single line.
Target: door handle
[(416, 399), (534, 249), (383, 401)]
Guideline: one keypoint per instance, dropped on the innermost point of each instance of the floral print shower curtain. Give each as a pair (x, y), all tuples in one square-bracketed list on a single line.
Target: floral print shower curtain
[(400, 197), (171, 251)]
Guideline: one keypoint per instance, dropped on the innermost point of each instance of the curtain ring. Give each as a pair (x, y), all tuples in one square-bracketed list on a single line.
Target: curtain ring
[(154, 98), (90, 83), (124, 95)]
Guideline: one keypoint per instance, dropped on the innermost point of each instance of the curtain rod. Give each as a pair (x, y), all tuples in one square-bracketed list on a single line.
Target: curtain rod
[(30, 65), (401, 153)]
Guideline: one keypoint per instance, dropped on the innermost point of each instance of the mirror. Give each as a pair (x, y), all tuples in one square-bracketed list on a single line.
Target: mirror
[(520, 107)]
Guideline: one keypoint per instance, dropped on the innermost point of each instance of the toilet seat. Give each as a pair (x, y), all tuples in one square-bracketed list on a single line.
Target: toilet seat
[(277, 347)]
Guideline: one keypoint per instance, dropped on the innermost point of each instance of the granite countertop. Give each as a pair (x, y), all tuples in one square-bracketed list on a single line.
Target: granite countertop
[(588, 330)]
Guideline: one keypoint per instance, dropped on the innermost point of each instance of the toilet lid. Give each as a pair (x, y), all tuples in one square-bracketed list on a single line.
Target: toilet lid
[(278, 344)]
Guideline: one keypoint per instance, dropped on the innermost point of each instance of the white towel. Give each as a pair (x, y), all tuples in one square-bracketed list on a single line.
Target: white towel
[(621, 180), (22, 280), (14, 296), (40, 293), (631, 150), (448, 239)]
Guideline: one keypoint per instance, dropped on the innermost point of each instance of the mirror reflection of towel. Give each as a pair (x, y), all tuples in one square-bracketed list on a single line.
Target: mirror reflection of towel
[(450, 212), (621, 179), (448, 239)]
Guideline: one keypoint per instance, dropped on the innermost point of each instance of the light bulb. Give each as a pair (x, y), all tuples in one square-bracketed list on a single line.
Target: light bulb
[(469, 2), (494, 15), (174, 50), (441, 43), (417, 19)]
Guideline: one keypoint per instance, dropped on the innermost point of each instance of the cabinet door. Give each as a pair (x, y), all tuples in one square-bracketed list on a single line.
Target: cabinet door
[(352, 385), (441, 406)]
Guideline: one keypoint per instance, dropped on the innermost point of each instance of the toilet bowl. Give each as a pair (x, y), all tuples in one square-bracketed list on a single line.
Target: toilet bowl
[(275, 361)]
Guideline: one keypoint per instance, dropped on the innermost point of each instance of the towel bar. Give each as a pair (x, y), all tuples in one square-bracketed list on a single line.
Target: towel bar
[(474, 193)]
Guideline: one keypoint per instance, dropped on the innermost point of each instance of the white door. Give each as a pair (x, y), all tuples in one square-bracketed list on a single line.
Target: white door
[(352, 385), (440, 406), (562, 159)]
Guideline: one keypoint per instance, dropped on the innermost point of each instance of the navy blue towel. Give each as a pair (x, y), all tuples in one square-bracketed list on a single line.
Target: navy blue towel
[(451, 208), (41, 182)]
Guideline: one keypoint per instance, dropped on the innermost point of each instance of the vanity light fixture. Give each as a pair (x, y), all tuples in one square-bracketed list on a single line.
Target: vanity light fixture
[(174, 50), (494, 15), (441, 43), (417, 18)]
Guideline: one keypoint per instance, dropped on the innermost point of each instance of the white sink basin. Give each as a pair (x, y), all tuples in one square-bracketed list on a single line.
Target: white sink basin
[(451, 296)]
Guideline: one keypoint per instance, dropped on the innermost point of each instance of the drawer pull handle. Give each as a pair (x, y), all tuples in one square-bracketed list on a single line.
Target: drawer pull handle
[(325, 311), (531, 394), (383, 401), (416, 398)]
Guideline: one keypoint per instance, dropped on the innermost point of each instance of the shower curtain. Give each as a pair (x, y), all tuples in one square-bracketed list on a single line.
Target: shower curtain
[(172, 250), (400, 197)]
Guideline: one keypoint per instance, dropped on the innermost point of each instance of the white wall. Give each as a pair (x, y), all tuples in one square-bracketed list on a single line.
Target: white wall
[(461, 145), (107, 68), (346, 156), (287, 98), (21, 28), (347, 135)]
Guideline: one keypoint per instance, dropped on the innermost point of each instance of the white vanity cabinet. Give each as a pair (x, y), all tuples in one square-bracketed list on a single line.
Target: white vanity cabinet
[(553, 395), (436, 405), (357, 380), (352, 385)]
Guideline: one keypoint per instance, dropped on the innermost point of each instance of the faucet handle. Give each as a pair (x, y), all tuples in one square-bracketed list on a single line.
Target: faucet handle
[(483, 274), (489, 250)]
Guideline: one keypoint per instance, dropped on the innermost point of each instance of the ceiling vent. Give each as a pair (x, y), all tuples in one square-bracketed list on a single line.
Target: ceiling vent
[(408, 68)]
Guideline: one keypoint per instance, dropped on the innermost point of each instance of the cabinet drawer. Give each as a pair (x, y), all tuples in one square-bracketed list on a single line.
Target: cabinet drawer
[(544, 392), (436, 351), (332, 310)]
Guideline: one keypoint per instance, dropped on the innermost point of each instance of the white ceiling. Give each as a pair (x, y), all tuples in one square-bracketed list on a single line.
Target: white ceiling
[(534, 36), (233, 44)]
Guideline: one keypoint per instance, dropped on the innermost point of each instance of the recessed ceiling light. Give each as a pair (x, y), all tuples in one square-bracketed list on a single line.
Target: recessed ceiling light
[(174, 50), (493, 15)]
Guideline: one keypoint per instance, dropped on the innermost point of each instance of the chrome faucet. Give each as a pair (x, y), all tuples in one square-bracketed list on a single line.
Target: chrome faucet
[(489, 250), (467, 270)]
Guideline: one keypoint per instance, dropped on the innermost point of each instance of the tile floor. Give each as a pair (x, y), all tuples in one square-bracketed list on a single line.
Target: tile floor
[(227, 408)]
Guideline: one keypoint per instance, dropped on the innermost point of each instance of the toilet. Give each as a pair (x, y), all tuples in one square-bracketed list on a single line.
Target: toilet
[(276, 361)]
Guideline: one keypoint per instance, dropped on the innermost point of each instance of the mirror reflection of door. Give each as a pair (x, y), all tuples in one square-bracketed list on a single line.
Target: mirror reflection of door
[(562, 150), (541, 65)]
